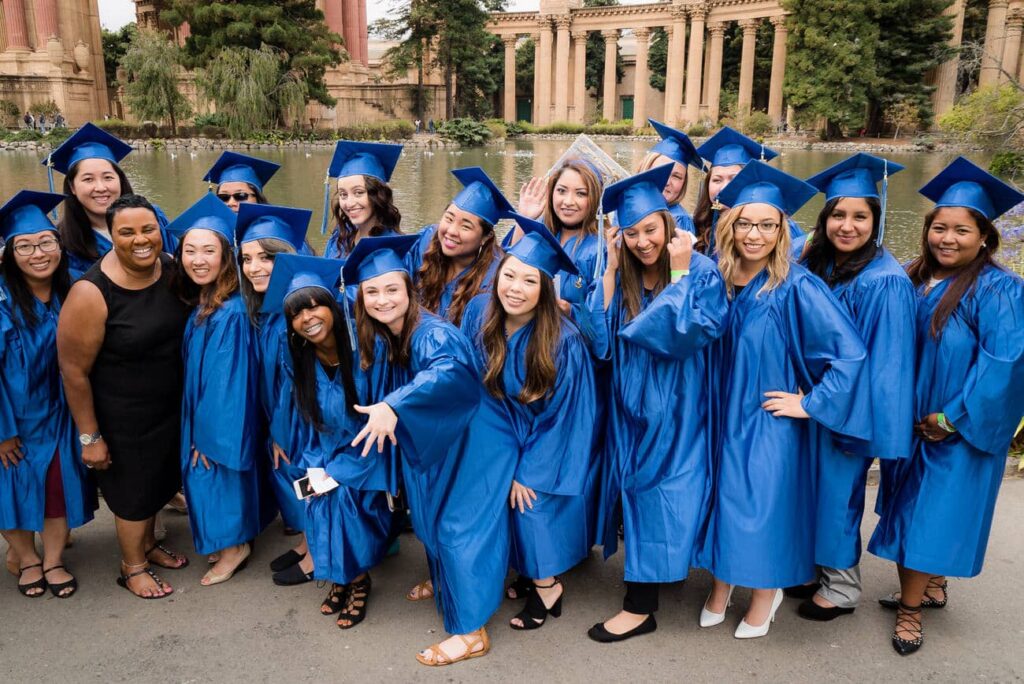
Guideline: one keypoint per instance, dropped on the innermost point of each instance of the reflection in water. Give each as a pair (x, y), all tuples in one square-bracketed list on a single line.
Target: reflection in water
[(423, 186)]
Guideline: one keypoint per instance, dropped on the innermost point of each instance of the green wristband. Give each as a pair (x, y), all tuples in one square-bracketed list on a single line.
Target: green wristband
[(676, 275), (944, 424)]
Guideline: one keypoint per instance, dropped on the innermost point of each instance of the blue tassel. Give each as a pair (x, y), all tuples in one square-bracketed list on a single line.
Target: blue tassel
[(599, 264), (349, 323), (885, 197), (49, 178), (327, 204)]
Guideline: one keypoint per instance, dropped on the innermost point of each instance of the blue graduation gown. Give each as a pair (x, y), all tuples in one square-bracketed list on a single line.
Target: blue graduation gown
[(456, 482), (80, 263), (939, 515), (220, 418), (682, 218), (347, 528), (881, 302), (32, 407), (333, 249), (797, 336), (658, 443), (414, 259), (552, 441), (278, 416)]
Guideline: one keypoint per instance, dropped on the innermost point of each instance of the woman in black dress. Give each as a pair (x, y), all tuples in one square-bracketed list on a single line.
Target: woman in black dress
[(119, 344)]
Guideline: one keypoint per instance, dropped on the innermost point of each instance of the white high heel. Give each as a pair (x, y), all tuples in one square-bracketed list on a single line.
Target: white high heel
[(710, 619), (747, 631)]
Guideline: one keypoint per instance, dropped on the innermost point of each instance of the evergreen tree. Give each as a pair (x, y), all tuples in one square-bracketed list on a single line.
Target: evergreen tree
[(115, 45), (524, 68), (595, 55), (152, 63), (657, 58), (832, 63), (294, 30)]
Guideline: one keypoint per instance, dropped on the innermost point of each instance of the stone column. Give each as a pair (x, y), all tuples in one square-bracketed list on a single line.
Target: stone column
[(642, 76), (510, 76), (15, 26), (47, 22), (995, 38), (544, 65), (332, 17), (350, 22), (716, 35), (611, 53), (706, 70), (778, 70), (946, 74), (1011, 52), (536, 78), (579, 76), (746, 96), (562, 68), (676, 64), (696, 62), (364, 46)]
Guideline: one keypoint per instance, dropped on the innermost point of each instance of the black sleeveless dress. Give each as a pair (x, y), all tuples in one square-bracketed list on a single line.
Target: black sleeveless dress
[(136, 387)]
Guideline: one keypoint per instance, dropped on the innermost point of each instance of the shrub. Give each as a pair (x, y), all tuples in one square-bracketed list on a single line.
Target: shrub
[(25, 135), (216, 119), (756, 125), (464, 131), (528, 128), (213, 131), (497, 128), (120, 128), (48, 108), (514, 129), (992, 116), (55, 136), (623, 128), (1009, 165), (384, 130), (562, 127), (697, 130)]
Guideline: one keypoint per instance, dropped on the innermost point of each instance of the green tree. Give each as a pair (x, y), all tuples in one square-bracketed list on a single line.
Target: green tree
[(913, 39), (152, 64), (832, 60), (293, 29), (115, 45), (524, 68), (595, 55), (254, 88), (657, 58)]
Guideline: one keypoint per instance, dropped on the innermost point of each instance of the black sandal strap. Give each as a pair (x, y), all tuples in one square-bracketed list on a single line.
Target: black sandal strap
[(21, 571), (55, 567)]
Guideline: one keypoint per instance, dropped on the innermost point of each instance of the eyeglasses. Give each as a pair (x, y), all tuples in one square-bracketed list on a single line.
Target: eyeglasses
[(237, 196), (46, 245), (764, 228)]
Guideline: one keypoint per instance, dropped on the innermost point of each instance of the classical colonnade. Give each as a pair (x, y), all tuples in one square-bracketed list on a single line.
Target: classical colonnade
[(693, 79)]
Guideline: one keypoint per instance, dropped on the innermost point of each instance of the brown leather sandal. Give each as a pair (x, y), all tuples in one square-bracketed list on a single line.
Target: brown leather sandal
[(421, 592), (433, 656)]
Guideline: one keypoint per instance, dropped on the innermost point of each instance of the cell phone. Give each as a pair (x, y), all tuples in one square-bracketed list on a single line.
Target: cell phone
[(303, 488)]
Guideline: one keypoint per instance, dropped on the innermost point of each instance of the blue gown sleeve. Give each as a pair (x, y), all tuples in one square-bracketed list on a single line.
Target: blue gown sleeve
[(831, 361), (600, 325), (886, 318), (8, 422), (414, 257), (556, 456), (685, 317), (442, 397), (224, 422), (988, 410)]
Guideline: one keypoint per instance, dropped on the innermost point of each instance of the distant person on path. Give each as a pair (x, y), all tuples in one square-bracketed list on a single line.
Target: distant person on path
[(419, 125), (42, 123), (30, 121), (430, 127), (58, 121)]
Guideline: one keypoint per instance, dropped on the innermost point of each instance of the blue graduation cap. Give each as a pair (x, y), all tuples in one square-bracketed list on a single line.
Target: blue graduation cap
[(25, 213), (88, 142), (858, 176), (235, 167), (364, 159), (209, 213), (676, 145), (759, 183), (540, 248), (729, 147), (292, 272), (964, 184), (259, 221), (374, 256), (634, 198), (481, 197)]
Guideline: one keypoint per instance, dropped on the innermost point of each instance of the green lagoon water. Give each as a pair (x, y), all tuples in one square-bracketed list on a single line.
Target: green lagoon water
[(423, 186)]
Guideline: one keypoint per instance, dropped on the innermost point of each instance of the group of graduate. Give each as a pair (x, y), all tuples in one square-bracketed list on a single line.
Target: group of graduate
[(707, 390)]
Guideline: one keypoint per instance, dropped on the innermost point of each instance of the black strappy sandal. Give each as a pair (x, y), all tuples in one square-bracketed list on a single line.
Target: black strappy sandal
[(893, 600), (56, 589), (38, 584), (906, 624), (335, 599), (167, 552), (358, 592), (520, 588), (535, 614), (122, 581)]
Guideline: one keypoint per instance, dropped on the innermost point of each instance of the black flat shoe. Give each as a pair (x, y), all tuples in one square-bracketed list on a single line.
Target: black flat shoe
[(907, 624), (802, 591), (286, 560), (292, 576), (809, 610), (892, 601), (601, 635), (39, 585), (56, 589)]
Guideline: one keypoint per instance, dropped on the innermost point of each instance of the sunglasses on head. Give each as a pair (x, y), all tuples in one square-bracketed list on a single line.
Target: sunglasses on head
[(241, 196)]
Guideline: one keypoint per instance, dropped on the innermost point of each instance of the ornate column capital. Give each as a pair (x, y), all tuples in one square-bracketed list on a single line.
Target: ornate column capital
[(1015, 19), (579, 35), (545, 21), (610, 35), (678, 12), (509, 39), (750, 25), (642, 33), (717, 28), (998, 4), (779, 23), (697, 12), (563, 22)]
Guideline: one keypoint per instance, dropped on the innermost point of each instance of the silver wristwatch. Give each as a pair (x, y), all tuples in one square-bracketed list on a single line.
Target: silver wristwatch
[(87, 439)]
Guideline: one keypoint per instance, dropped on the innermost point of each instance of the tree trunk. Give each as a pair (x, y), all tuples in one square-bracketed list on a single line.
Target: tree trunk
[(170, 111), (449, 98)]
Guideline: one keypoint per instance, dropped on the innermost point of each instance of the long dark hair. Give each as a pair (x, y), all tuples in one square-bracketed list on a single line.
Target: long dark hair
[(541, 350), (74, 224), (21, 294), (631, 271), (385, 213), (304, 354), (702, 215), (208, 298), (923, 268), (436, 271), (368, 329), (594, 190), (254, 299), (821, 255)]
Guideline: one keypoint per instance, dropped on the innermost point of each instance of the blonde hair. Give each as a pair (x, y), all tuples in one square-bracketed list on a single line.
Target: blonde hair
[(650, 161), (778, 260)]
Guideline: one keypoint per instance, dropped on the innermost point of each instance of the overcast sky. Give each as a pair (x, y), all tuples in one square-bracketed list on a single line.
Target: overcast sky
[(116, 13)]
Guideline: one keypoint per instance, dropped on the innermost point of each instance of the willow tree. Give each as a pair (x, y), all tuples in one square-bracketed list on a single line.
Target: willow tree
[(152, 64)]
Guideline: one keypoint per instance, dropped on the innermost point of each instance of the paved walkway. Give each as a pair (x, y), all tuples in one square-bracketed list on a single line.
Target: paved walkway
[(250, 630)]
